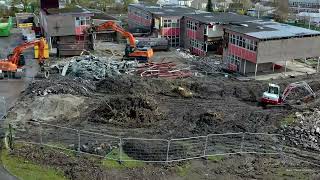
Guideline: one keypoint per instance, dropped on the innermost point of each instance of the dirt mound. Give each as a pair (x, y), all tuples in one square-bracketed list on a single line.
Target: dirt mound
[(61, 85), (128, 111), (132, 84)]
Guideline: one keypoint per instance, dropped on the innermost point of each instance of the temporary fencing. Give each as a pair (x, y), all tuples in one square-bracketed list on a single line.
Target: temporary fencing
[(148, 150)]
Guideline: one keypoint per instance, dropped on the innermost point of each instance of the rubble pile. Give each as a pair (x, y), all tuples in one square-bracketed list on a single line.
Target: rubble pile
[(305, 132), (93, 67), (207, 65)]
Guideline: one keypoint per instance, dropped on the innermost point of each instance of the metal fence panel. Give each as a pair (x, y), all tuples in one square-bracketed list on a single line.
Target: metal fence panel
[(100, 144), (224, 143), (187, 148), (149, 150), (261, 143), (3, 108), (30, 133), (57, 136)]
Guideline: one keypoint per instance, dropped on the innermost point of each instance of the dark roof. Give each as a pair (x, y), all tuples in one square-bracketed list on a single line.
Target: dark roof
[(165, 10), (220, 17), (75, 10), (266, 30), (102, 16)]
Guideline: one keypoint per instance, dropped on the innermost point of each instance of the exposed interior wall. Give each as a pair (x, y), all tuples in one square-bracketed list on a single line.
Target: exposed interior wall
[(288, 49)]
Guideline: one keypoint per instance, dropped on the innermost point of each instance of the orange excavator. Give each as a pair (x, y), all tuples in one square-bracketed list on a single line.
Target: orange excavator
[(132, 52), (15, 61)]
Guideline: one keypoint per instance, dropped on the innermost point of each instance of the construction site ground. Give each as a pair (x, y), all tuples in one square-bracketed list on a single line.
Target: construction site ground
[(132, 106)]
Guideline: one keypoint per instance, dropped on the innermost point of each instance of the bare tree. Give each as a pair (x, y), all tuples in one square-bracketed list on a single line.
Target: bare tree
[(282, 10)]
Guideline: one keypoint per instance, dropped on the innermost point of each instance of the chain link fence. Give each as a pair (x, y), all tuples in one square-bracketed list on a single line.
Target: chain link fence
[(3, 107), (149, 150)]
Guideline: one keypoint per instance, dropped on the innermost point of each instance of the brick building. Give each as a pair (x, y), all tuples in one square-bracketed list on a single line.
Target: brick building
[(64, 29), (304, 6), (203, 31), (261, 45), (161, 21), (199, 31)]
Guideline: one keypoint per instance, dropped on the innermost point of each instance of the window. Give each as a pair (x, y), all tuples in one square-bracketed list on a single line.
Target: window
[(82, 21)]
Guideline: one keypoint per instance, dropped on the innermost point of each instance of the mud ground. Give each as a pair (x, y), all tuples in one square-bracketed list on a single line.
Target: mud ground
[(133, 106), (130, 106)]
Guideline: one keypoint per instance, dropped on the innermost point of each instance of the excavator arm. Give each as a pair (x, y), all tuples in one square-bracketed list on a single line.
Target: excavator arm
[(12, 63), (295, 85), (14, 58), (112, 25), (131, 51)]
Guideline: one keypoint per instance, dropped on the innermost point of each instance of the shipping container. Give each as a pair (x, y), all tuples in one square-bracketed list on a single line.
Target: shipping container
[(5, 26)]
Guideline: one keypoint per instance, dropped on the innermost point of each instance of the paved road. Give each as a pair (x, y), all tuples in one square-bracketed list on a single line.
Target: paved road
[(11, 88)]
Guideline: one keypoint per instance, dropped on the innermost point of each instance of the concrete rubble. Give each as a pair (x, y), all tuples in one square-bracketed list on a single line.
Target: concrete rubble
[(92, 67), (203, 65), (305, 132)]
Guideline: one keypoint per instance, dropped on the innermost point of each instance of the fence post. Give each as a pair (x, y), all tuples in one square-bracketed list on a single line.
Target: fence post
[(10, 137), (205, 146), (168, 148), (120, 150), (242, 141), (40, 133), (79, 141)]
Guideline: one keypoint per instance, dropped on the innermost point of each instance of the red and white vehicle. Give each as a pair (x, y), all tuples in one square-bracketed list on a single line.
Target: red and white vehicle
[(273, 96)]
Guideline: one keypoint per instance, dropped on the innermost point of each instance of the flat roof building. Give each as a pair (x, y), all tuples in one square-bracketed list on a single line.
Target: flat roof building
[(260, 45)]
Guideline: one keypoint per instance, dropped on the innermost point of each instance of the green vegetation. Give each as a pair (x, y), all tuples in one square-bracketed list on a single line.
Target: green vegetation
[(209, 6), (183, 170), (290, 119), (29, 171), (111, 163), (293, 173), (304, 25), (216, 158)]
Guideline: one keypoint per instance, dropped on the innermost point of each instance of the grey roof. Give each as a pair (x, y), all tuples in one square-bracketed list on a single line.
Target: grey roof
[(271, 30), (61, 11), (166, 10), (219, 17)]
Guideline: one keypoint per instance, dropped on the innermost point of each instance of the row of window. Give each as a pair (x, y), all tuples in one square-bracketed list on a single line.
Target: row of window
[(236, 61), (243, 42), (174, 40), (82, 21), (305, 4), (192, 25), (175, 23), (197, 44)]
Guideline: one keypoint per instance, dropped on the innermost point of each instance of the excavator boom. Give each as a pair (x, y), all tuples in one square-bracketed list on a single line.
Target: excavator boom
[(112, 25), (131, 52), (12, 63)]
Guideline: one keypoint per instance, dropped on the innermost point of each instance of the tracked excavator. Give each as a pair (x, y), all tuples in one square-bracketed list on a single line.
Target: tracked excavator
[(132, 52), (14, 63), (273, 97)]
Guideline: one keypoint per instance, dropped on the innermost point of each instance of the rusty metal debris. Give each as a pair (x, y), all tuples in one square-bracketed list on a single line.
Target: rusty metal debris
[(165, 70)]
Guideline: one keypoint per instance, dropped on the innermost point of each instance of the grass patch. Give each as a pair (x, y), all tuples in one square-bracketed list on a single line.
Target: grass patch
[(290, 119), (289, 173), (183, 170), (128, 162), (216, 158), (28, 171)]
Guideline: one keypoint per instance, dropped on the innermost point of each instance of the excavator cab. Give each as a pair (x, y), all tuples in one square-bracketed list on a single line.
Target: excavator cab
[(272, 96), (141, 54), (21, 61)]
